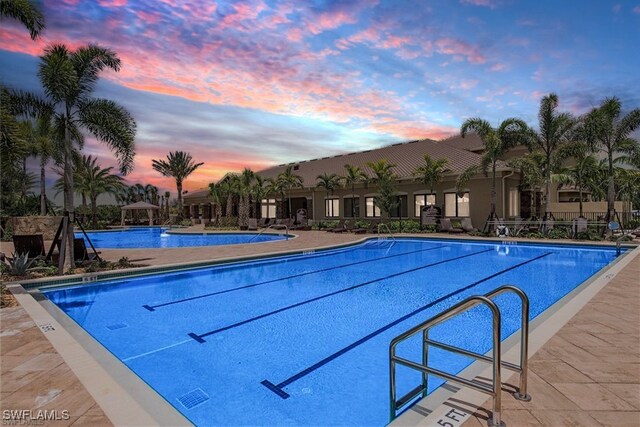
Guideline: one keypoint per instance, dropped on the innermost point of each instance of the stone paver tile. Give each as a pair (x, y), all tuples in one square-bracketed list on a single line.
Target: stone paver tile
[(34, 343), (557, 371), (545, 396), (93, 417), (628, 392), (617, 418), (41, 362), (565, 418), (620, 339), (581, 338), (593, 326), (616, 354), (613, 372), (9, 362), (593, 397), (14, 380), (562, 349)]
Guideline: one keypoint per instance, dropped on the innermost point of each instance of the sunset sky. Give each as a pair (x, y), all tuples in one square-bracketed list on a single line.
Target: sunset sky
[(260, 82)]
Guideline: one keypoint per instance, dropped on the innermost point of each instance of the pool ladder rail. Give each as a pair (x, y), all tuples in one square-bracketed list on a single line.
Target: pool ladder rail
[(382, 224), (286, 227), (496, 360)]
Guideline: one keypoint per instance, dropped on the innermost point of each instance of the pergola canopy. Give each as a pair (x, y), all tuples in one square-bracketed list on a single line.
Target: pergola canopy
[(139, 206)]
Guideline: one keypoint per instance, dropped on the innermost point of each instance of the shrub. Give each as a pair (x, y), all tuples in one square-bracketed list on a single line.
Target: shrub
[(558, 233)]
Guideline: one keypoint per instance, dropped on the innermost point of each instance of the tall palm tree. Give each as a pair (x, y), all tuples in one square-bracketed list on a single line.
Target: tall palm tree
[(26, 12), (385, 179), (353, 176), (216, 191), (260, 189), (609, 132), (531, 175), (44, 148), (328, 181), (555, 130), (151, 194), (497, 141), (69, 79), (288, 180), (178, 165), (431, 172)]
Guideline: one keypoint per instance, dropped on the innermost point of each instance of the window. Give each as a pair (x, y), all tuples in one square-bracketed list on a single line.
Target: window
[(420, 200), (331, 208), (456, 206), (352, 207), (268, 208), (372, 210), (514, 202), (402, 208)]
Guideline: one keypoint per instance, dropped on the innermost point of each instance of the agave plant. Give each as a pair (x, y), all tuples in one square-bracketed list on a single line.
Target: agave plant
[(20, 264)]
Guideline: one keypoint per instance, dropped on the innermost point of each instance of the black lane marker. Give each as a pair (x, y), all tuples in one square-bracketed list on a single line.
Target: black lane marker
[(277, 388), (199, 337), (153, 307)]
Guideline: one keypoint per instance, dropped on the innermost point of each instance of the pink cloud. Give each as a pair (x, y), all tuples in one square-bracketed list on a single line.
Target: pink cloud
[(498, 67), (459, 50), (616, 8), (636, 10), (112, 3)]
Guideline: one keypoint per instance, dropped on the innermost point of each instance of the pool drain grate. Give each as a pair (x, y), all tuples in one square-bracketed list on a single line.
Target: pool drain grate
[(117, 326), (193, 398)]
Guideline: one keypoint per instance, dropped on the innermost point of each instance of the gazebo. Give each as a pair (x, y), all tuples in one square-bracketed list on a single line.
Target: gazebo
[(139, 206)]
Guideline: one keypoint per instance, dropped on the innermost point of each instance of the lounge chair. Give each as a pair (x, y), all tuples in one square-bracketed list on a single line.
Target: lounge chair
[(467, 226), (252, 224), (371, 228), (262, 222), (33, 244), (80, 252), (282, 224), (302, 225), (338, 228), (447, 227), (345, 227)]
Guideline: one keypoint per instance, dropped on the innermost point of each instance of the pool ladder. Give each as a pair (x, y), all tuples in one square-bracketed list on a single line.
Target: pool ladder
[(496, 360), (383, 225), (286, 228)]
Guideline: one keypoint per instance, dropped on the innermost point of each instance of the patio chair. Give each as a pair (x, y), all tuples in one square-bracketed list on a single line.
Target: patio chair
[(446, 226), (80, 252), (282, 224), (262, 222), (345, 227), (338, 228), (467, 226), (302, 225), (363, 230), (33, 244), (252, 224)]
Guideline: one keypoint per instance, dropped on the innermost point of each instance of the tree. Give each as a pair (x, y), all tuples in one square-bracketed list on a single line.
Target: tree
[(40, 141), (431, 172), (555, 130), (69, 79), (92, 180), (606, 131), (580, 173), (531, 174), (25, 12), (353, 175), (385, 180), (260, 189), (151, 194), (245, 181), (288, 180), (216, 191), (178, 165), (497, 141)]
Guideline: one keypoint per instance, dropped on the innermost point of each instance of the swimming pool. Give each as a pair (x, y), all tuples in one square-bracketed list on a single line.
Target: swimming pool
[(303, 339), (157, 237)]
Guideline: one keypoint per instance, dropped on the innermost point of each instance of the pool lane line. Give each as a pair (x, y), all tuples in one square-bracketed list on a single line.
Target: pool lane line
[(200, 337), (156, 350), (277, 388), (153, 307)]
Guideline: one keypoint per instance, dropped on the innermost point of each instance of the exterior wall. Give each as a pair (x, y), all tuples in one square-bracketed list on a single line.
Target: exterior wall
[(45, 225)]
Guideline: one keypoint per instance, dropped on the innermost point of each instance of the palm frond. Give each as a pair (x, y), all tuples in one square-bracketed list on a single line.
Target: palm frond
[(26, 12)]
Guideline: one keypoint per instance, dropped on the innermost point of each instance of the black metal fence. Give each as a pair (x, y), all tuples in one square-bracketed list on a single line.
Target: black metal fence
[(624, 217)]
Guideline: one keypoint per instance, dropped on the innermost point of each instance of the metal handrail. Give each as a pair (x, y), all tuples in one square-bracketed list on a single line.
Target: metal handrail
[(496, 360), (388, 229), (268, 227)]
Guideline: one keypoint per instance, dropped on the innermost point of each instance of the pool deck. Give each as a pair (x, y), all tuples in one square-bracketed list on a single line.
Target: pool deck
[(587, 374)]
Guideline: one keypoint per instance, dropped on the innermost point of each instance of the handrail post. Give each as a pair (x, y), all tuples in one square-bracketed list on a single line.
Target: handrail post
[(497, 364), (392, 382), (425, 359)]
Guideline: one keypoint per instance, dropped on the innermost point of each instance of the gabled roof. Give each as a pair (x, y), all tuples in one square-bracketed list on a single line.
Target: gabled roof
[(406, 156), (140, 205)]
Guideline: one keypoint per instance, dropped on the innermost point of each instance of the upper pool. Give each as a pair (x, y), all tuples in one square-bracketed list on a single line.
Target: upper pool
[(157, 237)]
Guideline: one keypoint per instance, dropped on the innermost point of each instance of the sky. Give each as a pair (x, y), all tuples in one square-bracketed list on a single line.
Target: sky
[(260, 82)]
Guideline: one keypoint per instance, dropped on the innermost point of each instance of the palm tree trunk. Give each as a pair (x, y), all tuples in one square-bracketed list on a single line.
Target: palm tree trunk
[(353, 200), (24, 178), (493, 192), (43, 194), (68, 201), (611, 191), (94, 212), (180, 208)]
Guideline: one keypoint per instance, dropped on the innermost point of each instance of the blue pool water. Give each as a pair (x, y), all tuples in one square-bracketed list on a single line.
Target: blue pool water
[(157, 237), (314, 327)]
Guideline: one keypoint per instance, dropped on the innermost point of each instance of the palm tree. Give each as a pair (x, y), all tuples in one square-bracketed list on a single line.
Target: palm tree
[(579, 174), (216, 191), (178, 165), (26, 12), (151, 194), (43, 147), (608, 132), (555, 130), (497, 141), (92, 180), (353, 175), (384, 178), (69, 79), (287, 180), (245, 181), (531, 174), (431, 172), (260, 189)]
